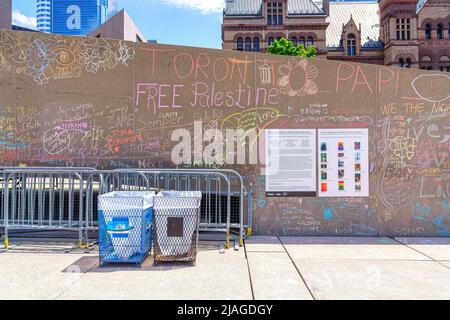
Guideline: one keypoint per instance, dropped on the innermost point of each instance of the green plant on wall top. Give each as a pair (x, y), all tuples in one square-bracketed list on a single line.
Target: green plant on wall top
[(285, 47)]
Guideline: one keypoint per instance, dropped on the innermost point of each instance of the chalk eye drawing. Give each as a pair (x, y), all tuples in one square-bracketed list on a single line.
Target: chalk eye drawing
[(297, 78), (265, 73), (436, 82), (53, 58)]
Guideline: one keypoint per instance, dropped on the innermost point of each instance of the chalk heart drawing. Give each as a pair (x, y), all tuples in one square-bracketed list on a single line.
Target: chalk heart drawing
[(404, 147), (382, 146), (432, 87), (297, 78), (261, 203)]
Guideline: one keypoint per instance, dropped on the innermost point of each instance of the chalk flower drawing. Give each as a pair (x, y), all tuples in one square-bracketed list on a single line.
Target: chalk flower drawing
[(91, 58), (297, 78), (58, 57)]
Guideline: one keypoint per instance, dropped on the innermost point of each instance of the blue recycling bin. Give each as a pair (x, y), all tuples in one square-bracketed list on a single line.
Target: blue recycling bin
[(125, 226)]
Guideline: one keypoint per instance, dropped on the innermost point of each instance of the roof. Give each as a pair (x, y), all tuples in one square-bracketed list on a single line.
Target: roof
[(303, 7), (362, 12), (254, 8), (421, 4), (244, 8), (20, 28)]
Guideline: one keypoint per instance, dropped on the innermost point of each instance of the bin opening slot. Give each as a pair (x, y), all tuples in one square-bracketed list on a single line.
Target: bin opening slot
[(175, 227)]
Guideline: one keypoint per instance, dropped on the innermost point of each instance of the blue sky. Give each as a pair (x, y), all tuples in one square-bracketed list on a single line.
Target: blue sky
[(180, 22)]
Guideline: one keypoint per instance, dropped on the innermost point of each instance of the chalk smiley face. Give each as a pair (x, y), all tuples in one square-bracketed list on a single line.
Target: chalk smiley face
[(433, 88)]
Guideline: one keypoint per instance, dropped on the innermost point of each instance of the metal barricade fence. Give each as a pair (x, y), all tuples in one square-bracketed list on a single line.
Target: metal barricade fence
[(222, 208), (66, 198), (212, 185), (47, 199)]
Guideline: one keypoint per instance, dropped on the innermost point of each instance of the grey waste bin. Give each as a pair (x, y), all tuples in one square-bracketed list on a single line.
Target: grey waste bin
[(176, 225), (125, 226)]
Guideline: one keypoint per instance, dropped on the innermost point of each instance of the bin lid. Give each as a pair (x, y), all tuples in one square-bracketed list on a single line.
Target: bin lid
[(146, 196), (169, 194)]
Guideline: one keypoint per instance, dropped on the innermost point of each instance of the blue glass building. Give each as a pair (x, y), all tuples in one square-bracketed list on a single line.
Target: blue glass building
[(72, 17), (43, 15)]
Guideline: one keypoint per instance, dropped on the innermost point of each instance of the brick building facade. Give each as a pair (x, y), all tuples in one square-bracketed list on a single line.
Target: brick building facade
[(406, 33)]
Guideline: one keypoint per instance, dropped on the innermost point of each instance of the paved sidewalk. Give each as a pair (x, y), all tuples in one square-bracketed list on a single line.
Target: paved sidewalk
[(267, 268)]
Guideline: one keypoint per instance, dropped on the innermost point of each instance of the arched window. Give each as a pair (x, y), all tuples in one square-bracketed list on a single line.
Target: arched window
[(351, 45), (310, 41), (408, 63), (271, 41), (302, 40), (428, 31), (404, 63), (294, 40), (256, 46), (440, 31), (240, 44), (248, 44)]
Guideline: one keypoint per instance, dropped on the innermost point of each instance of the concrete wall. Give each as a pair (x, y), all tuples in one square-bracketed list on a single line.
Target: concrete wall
[(5, 14), (114, 104)]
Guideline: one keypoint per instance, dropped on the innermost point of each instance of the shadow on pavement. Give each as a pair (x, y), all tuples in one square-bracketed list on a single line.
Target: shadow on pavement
[(91, 263)]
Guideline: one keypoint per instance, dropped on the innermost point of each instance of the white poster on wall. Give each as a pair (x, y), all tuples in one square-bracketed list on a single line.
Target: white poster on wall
[(291, 163), (343, 168)]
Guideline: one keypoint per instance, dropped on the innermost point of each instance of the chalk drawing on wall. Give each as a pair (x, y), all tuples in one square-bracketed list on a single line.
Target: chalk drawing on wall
[(409, 139), (403, 147), (53, 58), (255, 118), (441, 223), (297, 78), (265, 73), (422, 84)]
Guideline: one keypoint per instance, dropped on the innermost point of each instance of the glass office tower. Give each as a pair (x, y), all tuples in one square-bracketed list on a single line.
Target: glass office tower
[(43, 15), (72, 17)]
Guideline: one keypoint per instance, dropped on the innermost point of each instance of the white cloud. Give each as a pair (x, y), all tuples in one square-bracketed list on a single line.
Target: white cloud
[(112, 8), (204, 6), (22, 20)]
